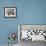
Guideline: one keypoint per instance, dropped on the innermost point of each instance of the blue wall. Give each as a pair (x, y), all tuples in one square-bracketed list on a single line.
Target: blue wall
[(28, 12)]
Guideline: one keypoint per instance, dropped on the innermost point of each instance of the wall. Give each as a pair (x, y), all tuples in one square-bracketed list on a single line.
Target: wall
[(33, 12), (28, 12), (7, 25)]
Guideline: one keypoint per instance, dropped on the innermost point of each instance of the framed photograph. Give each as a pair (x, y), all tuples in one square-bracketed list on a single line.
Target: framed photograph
[(10, 12)]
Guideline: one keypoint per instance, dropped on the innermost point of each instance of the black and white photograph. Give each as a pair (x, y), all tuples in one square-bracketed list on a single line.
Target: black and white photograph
[(10, 12)]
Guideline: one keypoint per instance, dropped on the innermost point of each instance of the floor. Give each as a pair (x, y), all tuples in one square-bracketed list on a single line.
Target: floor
[(7, 45), (30, 43)]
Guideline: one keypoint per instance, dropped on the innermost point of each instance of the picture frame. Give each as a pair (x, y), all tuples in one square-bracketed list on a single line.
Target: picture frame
[(10, 12)]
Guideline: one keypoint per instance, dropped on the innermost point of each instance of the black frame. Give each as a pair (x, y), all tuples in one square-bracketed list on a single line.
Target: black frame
[(10, 17)]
